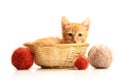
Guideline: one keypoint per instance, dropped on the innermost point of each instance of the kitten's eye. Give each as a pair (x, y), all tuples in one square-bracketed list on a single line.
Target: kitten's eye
[(70, 34), (79, 34)]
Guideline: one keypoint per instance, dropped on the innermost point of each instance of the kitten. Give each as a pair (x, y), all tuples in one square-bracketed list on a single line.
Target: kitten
[(74, 32), (71, 32)]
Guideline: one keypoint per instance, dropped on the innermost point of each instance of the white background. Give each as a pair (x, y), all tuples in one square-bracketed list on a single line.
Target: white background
[(27, 20)]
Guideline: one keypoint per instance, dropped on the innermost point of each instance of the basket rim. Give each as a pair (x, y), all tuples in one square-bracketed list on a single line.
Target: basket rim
[(70, 44)]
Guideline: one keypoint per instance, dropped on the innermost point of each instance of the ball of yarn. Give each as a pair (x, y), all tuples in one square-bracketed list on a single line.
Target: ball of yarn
[(22, 58), (100, 56), (81, 62)]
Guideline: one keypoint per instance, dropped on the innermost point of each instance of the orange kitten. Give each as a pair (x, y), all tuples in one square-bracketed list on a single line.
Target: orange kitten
[(72, 33), (49, 40)]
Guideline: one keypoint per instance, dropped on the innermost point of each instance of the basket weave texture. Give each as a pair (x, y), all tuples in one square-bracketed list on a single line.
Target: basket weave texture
[(57, 56)]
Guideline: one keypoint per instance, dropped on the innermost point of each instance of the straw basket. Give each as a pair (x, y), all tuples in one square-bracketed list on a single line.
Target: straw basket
[(57, 56)]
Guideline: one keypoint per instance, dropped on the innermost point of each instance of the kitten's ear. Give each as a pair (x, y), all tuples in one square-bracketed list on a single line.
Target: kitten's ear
[(86, 23), (64, 22)]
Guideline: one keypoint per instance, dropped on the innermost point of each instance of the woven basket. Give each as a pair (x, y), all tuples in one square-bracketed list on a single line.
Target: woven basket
[(57, 56)]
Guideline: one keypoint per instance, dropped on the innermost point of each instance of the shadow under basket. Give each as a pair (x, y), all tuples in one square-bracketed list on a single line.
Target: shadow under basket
[(56, 56)]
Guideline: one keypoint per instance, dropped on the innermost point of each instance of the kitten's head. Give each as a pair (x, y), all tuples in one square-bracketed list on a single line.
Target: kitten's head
[(74, 32)]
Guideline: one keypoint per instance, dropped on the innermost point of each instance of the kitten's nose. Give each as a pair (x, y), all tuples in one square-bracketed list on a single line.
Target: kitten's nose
[(74, 41)]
